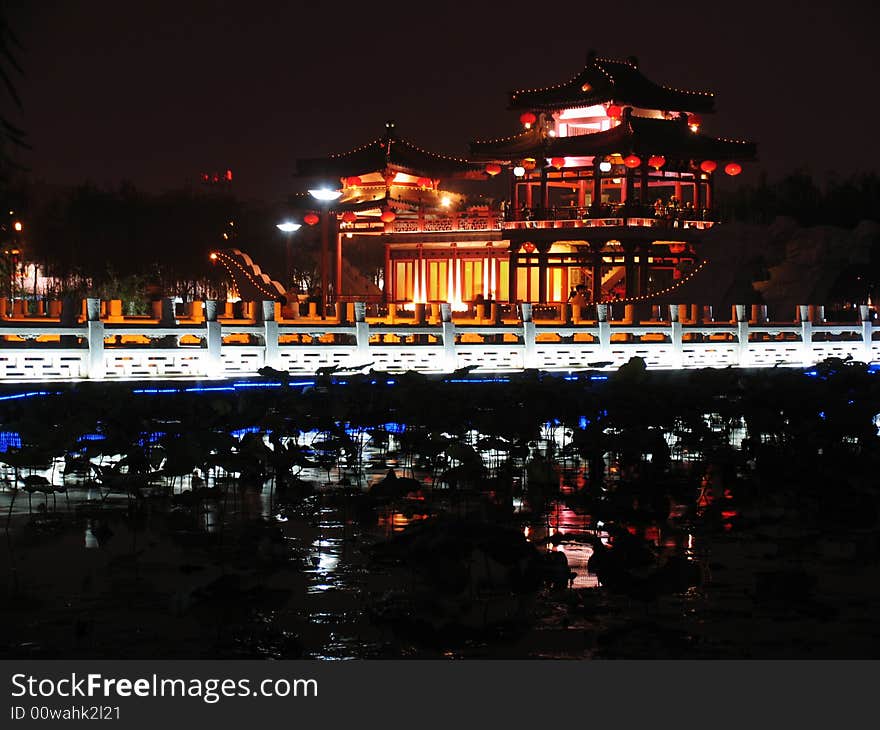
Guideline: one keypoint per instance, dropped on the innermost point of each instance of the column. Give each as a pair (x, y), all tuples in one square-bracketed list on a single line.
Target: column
[(644, 269), (604, 331), (214, 337), (529, 354), (450, 355), (806, 334), (272, 355), (362, 329), (596, 265), (629, 268), (867, 332), (513, 261), (96, 368), (542, 274), (742, 332), (596, 203), (675, 337)]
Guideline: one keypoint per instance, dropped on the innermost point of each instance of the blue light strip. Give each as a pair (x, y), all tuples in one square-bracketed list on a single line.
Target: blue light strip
[(31, 394)]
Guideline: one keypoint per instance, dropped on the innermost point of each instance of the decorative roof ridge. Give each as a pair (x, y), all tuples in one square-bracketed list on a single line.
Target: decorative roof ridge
[(597, 61), (429, 152), (377, 141), (502, 139)]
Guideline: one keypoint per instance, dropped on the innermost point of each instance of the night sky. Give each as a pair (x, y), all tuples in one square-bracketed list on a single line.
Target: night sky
[(156, 92)]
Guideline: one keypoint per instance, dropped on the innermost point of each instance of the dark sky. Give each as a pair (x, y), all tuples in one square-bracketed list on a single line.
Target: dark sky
[(157, 91)]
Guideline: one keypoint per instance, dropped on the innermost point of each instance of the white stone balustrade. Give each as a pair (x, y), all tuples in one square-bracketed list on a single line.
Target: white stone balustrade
[(212, 347)]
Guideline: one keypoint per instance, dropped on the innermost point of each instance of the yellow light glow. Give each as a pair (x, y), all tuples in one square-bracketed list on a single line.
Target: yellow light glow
[(17, 225), (445, 201)]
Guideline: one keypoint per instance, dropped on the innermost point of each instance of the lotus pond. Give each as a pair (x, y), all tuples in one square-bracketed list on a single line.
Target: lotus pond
[(630, 514)]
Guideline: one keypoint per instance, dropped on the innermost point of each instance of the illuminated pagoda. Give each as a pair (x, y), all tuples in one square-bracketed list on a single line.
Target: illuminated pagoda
[(396, 190), (611, 186), (612, 182)]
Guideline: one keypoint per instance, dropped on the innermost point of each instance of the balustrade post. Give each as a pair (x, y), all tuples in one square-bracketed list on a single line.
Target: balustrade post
[(742, 333), (214, 363), (867, 332), (675, 337), (529, 335), (362, 329), (450, 354), (95, 368), (805, 312), (272, 354), (604, 331)]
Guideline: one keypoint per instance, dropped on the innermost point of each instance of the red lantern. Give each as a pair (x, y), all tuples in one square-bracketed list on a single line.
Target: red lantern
[(708, 165), (558, 162), (529, 163), (733, 168), (424, 182), (529, 247), (387, 216), (528, 119), (614, 111), (349, 217), (677, 247), (694, 120), (493, 168), (632, 161), (311, 218), (353, 181), (656, 161)]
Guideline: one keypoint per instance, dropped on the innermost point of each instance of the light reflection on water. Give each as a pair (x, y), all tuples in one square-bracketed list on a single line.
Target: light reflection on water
[(325, 537)]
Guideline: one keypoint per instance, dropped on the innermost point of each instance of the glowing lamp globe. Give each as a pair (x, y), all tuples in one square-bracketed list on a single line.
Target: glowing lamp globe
[(656, 161), (614, 111), (604, 166), (708, 165), (493, 168), (519, 171), (388, 216), (558, 162), (311, 218), (733, 168), (349, 217), (632, 161), (528, 119)]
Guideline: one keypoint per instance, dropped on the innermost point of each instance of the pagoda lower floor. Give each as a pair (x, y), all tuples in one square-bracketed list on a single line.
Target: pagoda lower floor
[(534, 265)]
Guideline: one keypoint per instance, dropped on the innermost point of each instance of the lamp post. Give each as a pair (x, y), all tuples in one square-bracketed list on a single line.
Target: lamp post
[(325, 197), (288, 228)]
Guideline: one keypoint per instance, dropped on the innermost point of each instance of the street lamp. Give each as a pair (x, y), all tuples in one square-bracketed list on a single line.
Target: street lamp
[(325, 196), (288, 227)]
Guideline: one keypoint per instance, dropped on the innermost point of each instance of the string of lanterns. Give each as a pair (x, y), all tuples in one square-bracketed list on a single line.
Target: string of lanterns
[(661, 292), (225, 261)]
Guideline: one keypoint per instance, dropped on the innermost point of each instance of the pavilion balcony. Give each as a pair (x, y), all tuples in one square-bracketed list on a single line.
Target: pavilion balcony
[(491, 222), (608, 215)]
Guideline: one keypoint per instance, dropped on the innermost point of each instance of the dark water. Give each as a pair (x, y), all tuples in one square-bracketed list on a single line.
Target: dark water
[(251, 568)]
